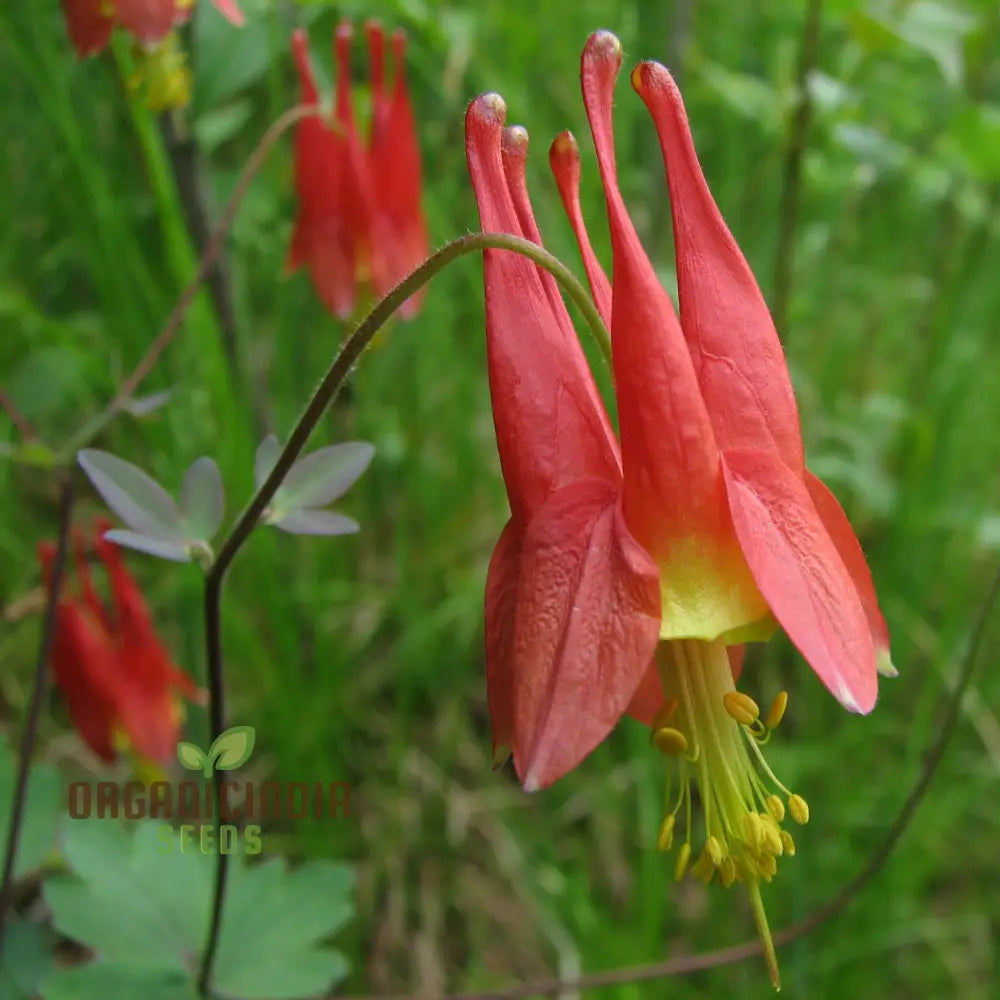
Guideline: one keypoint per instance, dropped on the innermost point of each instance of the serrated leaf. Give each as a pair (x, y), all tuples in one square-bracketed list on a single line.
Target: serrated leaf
[(142, 905), (27, 959), (202, 500), (316, 522), (101, 980), (232, 748), (152, 546), (324, 475), (191, 755), (263, 461), (138, 499), (42, 815)]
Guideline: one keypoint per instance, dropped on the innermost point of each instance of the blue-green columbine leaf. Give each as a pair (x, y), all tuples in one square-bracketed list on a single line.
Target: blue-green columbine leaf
[(151, 546), (202, 500), (316, 522), (263, 462), (138, 499), (323, 476)]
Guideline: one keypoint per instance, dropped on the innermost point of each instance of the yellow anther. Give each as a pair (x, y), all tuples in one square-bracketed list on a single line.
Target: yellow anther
[(768, 867), (665, 840), (741, 707), (703, 869), (727, 872), (788, 843), (777, 710), (664, 714), (775, 807), (715, 852), (683, 857), (799, 809), (753, 831), (772, 833), (742, 869), (669, 741)]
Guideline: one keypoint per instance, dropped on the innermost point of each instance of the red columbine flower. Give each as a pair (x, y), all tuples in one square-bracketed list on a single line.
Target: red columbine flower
[(360, 227), (714, 495), (161, 63), (119, 682), (149, 21)]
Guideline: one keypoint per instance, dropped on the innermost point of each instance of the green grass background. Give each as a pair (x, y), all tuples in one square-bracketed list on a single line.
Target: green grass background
[(360, 659)]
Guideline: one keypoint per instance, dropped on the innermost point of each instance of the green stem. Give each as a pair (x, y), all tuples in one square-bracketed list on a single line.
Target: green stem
[(323, 395)]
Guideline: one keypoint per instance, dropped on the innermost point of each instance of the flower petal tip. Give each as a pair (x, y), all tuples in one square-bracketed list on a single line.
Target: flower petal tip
[(650, 76), (883, 664), (488, 109), (603, 46), (515, 139), (850, 699), (564, 147)]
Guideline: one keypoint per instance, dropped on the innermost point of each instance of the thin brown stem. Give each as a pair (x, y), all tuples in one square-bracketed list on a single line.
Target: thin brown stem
[(17, 418), (35, 701)]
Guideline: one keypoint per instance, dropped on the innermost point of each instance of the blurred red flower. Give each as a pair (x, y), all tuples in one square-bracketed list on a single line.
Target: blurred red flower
[(120, 684), (360, 227), (90, 21)]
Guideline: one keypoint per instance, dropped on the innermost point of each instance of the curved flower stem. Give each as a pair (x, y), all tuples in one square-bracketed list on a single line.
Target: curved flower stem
[(168, 331), (686, 964), (35, 701), (322, 396)]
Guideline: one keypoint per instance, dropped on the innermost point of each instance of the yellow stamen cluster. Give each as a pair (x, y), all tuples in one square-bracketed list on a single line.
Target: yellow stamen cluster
[(162, 74), (712, 735)]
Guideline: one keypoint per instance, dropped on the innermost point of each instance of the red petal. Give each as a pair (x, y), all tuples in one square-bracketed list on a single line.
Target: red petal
[(370, 246), (801, 575), (737, 354), (86, 668), (586, 625), (148, 20), (648, 696), (501, 600), (564, 159), (671, 463), (514, 154), (396, 173), (321, 240), (88, 25), (849, 548), (550, 421)]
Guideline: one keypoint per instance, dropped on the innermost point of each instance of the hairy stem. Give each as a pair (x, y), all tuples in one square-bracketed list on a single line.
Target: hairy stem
[(35, 701)]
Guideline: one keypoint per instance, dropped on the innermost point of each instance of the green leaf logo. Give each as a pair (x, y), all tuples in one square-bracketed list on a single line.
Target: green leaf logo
[(191, 756), (228, 751), (232, 748)]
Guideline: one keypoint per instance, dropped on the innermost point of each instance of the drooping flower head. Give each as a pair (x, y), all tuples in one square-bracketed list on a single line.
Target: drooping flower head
[(360, 226), (161, 63), (121, 687), (713, 503)]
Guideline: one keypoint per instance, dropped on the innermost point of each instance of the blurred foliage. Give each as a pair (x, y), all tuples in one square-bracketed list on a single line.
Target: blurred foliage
[(360, 659)]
